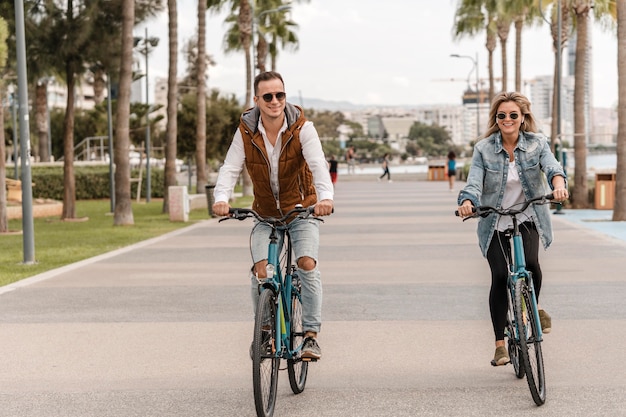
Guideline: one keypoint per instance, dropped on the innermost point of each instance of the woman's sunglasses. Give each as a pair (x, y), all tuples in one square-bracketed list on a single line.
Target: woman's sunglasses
[(502, 116), (280, 96)]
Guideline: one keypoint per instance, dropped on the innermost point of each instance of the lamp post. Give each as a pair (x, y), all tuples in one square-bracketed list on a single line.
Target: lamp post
[(475, 67), (28, 229), (147, 45)]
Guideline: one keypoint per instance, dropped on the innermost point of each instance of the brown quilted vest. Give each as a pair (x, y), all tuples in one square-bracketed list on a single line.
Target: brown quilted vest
[(295, 179)]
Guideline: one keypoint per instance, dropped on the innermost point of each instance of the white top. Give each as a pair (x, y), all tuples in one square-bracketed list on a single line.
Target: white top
[(513, 195), (311, 150)]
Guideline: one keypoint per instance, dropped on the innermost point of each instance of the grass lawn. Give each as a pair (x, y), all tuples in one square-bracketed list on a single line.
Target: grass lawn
[(59, 243)]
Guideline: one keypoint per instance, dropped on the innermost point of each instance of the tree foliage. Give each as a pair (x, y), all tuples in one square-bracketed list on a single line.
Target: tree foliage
[(430, 140), (222, 116)]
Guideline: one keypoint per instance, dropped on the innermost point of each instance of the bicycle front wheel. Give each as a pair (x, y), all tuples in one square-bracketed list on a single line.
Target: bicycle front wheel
[(265, 361), (296, 368), (513, 341), (530, 345)]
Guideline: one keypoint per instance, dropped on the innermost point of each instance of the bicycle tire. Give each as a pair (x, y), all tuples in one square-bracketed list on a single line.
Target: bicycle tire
[(296, 368), (512, 341), (265, 362), (530, 345)]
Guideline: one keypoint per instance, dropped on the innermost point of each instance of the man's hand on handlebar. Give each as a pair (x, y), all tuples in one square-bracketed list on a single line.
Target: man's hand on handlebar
[(220, 208), (324, 208)]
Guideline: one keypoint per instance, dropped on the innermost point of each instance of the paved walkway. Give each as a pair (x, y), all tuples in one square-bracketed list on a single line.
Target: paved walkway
[(163, 328)]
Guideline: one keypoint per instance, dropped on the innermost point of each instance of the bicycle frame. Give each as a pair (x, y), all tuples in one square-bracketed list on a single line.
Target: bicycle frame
[(281, 285), (519, 271)]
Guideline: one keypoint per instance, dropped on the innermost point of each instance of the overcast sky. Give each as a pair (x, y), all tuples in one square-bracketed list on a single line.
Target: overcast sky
[(395, 52)]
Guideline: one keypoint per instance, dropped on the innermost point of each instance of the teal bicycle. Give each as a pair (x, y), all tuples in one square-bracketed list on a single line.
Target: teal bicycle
[(278, 332), (523, 329)]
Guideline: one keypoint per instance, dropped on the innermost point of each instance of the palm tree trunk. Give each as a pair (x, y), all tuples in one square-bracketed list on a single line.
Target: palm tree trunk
[(619, 208), (201, 156), (69, 182), (519, 23), (123, 214), (245, 28), (41, 120), (580, 193), (172, 104)]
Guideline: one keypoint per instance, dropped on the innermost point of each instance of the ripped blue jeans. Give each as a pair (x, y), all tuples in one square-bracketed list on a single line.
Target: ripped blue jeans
[(305, 239)]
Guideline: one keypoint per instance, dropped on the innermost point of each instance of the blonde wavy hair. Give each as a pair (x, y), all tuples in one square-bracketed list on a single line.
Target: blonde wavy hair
[(528, 125)]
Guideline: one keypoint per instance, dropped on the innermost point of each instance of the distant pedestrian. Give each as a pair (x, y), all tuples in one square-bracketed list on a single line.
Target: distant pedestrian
[(385, 168), (332, 168), (451, 169), (351, 159)]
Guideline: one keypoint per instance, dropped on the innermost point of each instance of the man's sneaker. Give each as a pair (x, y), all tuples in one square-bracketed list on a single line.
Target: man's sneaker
[(310, 349), (501, 356), (546, 321)]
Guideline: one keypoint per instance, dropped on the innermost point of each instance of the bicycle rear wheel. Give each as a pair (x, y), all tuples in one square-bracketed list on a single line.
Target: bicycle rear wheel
[(530, 345), (296, 368), (265, 362)]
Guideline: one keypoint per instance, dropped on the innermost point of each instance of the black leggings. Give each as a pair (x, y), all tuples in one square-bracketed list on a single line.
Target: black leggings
[(498, 299)]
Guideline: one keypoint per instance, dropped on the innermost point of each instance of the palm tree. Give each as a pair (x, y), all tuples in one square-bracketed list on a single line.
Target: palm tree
[(123, 214), (244, 24), (581, 10), (524, 13), (275, 31), (201, 174), (172, 103), (619, 209), (473, 17), (558, 54)]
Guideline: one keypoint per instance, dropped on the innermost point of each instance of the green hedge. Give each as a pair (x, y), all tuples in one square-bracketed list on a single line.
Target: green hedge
[(92, 182)]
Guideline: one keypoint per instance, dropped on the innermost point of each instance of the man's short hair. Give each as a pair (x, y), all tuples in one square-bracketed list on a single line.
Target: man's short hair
[(266, 76)]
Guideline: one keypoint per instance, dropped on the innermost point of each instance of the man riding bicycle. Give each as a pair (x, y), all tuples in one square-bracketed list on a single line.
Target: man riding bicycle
[(283, 155)]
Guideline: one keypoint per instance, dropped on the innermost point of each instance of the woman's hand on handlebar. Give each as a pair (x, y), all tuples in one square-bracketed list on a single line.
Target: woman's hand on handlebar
[(466, 209), (324, 208), (220, 208), (560, 194)]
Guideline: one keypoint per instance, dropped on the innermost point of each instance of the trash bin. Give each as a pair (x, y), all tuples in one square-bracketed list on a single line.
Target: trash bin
[(209, 197), (436, 172), (604, 194)]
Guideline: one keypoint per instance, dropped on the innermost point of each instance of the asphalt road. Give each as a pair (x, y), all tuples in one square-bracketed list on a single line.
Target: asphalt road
[(163, 328)]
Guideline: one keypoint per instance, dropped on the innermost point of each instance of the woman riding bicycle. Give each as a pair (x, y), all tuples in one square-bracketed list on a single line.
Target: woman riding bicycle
[(283, 154), (510, 165)]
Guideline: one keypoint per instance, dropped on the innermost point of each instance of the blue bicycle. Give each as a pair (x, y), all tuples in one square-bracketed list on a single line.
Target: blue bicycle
[(523, 329), (278, 331)]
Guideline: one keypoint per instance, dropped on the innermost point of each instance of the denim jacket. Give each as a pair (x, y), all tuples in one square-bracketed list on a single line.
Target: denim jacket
[(488, 174)]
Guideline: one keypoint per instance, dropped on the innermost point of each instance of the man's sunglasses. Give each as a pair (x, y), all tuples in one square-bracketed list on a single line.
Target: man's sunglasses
[(280, 96), (502, 116)]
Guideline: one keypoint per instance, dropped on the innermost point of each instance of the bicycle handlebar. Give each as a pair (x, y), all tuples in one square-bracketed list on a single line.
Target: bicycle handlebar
[(483, 211), (244, 213)]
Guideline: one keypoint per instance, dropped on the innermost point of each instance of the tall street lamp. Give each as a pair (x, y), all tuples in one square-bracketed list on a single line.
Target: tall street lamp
[(147, 45), (475, 67)]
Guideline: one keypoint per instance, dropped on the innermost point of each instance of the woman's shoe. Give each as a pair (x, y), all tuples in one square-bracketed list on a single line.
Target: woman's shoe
[(546, 321), (501, 356)]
